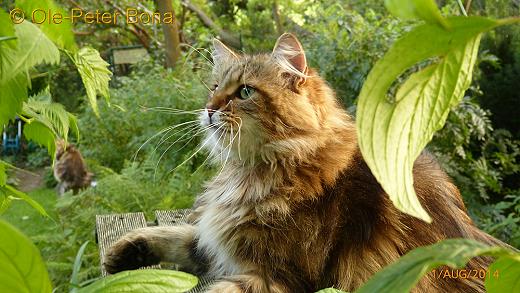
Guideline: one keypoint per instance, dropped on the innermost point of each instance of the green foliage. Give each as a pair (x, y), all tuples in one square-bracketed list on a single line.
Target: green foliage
[(508, 280), (345, 44), (74, 278), (402, 275), (405, 124), (144, 281), (134, 189), (60, 33), (417, 9), (32, 48), (49, 121), (23, 269), (483, 162), (126, 127), (94, 73)]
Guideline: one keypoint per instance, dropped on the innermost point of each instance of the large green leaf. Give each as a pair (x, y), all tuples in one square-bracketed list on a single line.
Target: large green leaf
[(95, 74), (33, 48), (143, 281), (504, 275), (60, 33), (52, 115), (41, 134), (393, 132), (14, 93), (21, 264), (402, 275), (422, 9), (6, 31)]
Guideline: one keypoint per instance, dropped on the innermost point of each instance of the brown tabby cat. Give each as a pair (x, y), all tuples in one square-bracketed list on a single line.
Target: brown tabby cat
[(295, 208), (70, 169)]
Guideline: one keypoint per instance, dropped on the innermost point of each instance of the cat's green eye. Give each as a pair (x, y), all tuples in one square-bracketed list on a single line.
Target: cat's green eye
[(246, 92)]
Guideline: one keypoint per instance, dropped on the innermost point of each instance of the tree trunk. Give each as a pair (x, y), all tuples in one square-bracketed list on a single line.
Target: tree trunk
[(277, 20), (171, 34)]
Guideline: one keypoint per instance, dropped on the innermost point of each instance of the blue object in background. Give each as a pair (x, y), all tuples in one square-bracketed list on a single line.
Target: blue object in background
[(12, 144)]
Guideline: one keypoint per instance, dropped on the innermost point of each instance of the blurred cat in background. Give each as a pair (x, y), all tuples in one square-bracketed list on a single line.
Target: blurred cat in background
[(70, 169)]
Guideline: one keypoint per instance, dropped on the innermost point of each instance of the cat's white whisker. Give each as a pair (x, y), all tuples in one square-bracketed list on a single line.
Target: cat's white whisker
[(189, 126), (185, 144), (149, 139), (200, 148)]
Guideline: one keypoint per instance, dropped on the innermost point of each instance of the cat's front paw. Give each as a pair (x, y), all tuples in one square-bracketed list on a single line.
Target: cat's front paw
[(129, 253)]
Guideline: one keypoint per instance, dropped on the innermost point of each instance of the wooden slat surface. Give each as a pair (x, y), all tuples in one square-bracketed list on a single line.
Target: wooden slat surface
[(178, 217), (109, 228)]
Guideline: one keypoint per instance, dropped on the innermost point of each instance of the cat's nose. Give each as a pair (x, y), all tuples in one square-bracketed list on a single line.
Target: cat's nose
[(210, 112)]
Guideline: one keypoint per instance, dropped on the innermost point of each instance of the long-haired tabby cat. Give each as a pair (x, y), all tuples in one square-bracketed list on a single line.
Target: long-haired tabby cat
[(70, 169), (295, 208)]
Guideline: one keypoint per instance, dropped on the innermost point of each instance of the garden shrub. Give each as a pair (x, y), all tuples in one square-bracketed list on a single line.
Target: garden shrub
[(127, 124)]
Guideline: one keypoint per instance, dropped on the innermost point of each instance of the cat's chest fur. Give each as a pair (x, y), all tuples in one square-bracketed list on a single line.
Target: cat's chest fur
[(229, 202)]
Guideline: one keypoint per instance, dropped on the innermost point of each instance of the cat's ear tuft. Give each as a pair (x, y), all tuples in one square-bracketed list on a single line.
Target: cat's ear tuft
[(222, 52), (289, 53)]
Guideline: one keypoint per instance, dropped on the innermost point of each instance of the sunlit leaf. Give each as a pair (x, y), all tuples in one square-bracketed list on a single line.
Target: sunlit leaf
[(40, 134), (504, 275), (33, 48), (94, 73), (52, 115), (417, 9), (22, 267), (393, 132), (144, 281), (3, 175), (60, 33), (6, 32), (402, 275)]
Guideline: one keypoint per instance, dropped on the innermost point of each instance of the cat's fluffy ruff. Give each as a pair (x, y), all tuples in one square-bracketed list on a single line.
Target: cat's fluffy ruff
[(295, 208)]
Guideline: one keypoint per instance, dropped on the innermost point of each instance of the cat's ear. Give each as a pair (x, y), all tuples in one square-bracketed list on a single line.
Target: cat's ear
[(221, 52), (289, 53)]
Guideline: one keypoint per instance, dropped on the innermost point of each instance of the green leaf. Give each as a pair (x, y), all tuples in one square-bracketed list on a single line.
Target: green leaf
[(402, 275), (52, 115), (74, 279), (15, 193), (60, 33), (392, 134), (23, 269), (504, 275), (33, 48), (143, 281), (14, 93), (417, 9), (94, 74), (42, 135), (6, 31), (3, 175)]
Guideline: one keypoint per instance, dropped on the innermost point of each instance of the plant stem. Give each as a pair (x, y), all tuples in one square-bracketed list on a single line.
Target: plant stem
[(462, 9)]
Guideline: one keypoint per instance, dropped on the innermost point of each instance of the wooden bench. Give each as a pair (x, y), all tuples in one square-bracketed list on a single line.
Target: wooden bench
[(109, 228)]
